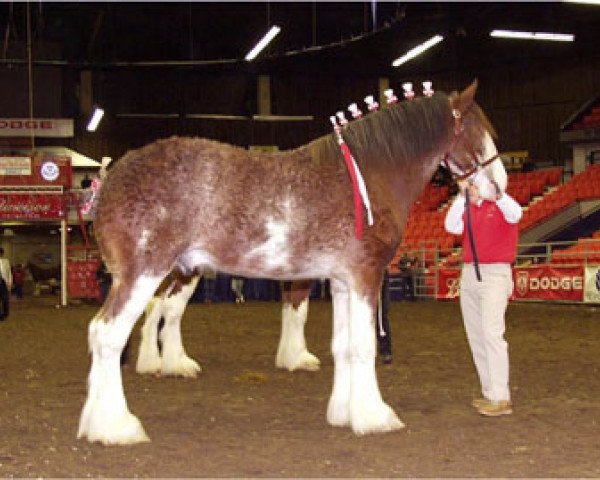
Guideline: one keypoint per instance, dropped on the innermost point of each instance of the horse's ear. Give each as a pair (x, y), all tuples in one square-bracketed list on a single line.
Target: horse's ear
[(465, 99)]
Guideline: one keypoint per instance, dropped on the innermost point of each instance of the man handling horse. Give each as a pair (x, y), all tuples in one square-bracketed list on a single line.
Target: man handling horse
[(489, 249)]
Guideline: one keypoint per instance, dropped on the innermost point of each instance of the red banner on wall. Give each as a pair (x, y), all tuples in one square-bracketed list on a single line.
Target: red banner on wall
[(543, 282), (38, 206), (45, 170), (546, 282), (448, 284)]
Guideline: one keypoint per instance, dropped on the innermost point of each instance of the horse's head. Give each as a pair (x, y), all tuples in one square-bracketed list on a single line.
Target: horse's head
[(472, 154)]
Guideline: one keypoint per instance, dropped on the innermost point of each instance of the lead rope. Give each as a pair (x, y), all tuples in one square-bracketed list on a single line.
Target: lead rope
[(471, 236), (380, 315)]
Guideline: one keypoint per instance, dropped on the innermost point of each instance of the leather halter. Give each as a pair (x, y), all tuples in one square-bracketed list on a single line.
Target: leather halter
[(459, 130)]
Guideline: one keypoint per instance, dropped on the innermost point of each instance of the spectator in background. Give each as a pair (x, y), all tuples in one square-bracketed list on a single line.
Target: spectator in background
[(406, 265), (237, 287), (18, 274), (483, 300), (384, 333), (6, 282)]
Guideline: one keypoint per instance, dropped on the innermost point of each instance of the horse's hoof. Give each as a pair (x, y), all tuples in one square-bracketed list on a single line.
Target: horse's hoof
[(184, 367), (307, 361), (303, 361), (124, 430), (148, 365), (338, 414), (377, 420)]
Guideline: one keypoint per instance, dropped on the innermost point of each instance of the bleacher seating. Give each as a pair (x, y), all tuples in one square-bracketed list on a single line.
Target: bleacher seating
[(591, 120), (586, 249), (583, 186)]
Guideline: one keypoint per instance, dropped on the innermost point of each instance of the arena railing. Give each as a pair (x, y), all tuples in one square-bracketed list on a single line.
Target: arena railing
[(570, 263)]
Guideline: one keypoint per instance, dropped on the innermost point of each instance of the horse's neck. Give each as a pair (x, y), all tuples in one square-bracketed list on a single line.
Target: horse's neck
[(403, 186)]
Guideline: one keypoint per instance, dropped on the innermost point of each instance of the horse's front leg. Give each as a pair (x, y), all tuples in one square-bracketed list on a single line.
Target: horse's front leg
[(292, 352), (356, 399), (175, 361), (105, 416)]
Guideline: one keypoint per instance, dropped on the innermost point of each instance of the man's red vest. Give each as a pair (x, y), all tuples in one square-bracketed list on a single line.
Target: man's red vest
[(495, 238)]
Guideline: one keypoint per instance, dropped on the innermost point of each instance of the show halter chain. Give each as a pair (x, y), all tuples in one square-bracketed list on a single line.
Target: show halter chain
[(339, 121)]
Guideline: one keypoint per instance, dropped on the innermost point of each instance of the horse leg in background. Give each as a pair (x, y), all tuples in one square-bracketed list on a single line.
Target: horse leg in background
[(105, 416), (172, 360), (292, 352), (148, 360), (175, 361), (355, 399)]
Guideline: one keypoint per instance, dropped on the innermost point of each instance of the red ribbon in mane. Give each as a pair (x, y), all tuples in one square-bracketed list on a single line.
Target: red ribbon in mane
[(355, 192)]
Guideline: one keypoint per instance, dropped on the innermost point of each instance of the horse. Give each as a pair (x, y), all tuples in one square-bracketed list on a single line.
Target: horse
[(194, 203)]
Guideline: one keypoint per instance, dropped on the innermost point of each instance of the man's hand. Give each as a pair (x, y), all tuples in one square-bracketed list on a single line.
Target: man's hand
[(499, 192), (462, 186)]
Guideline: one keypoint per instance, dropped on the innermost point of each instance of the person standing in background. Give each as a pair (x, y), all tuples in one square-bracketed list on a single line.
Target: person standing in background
[(18, 274), (5, 285), (382, 323)]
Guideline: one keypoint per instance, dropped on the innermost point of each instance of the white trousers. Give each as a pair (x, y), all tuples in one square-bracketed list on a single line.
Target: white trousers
[(483, 306)]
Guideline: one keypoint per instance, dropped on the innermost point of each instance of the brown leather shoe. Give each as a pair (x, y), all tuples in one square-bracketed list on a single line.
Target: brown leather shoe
[(495, 409)]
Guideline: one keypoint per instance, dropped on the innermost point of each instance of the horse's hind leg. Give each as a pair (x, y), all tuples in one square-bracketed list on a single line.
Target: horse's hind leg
[(292, 352), (175, 360), (356, 400), (105, 416), (148, 360)]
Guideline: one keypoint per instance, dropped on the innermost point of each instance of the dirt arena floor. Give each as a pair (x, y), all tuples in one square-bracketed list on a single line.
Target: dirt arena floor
[(244, 418)]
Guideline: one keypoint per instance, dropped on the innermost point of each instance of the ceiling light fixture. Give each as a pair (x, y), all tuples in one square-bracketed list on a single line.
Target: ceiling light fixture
[(95, 119), (556, 37), (586, 2), (271, 34), (418, 50)]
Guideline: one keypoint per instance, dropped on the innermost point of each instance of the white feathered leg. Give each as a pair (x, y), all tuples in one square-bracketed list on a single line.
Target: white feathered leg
[(149, 360), (368, 412), (292, 352), (105, 416), (175, 360), (338, 409)]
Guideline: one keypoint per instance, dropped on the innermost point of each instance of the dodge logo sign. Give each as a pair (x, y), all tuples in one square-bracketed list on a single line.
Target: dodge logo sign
[(522, 282)]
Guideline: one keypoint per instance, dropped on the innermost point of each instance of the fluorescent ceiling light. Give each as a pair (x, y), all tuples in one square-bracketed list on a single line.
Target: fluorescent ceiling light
[(587, 2), (417, 50), (556, 37), (95, 120), (263, 42)]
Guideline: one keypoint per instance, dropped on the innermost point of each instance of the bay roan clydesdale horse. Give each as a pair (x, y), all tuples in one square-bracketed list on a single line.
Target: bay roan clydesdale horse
[(191, 203)]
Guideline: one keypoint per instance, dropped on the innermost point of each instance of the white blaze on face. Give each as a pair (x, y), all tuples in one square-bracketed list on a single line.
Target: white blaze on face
[(494, 171)]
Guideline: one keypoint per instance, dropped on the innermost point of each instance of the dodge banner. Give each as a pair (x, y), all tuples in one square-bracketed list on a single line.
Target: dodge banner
[(543, 282), (546, 282)]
